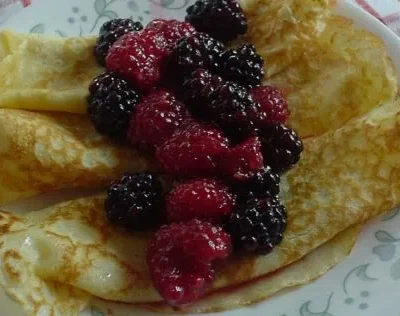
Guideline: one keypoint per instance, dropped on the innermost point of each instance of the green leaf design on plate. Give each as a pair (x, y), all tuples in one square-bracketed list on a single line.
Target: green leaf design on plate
[(361, 273), (110, 14), (305, 309), (61, 33), (385, 252), (166, 3), (391, 215), (395, 270), (38, 28), (132, 5), (385, 237), (99, 6), (96, 311)]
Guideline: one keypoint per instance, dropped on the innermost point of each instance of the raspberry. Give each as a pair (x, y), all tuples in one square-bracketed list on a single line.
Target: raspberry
[(138, 57), (171, 30), (196, 51), (242, 65), (199, 92), (181, 259), (263, 183), (273, 105), (230, 110), (110, 32), (282, 147), (206, 199), (155, 119), (134, 201), (242, 161), (193, 150), (222, 19), (110, 105), (258, 226)]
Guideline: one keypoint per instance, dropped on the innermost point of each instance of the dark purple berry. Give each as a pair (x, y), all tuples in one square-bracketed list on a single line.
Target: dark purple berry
[(242, 65), (110, 105), (135, 201), (222, 19), (258, 226)]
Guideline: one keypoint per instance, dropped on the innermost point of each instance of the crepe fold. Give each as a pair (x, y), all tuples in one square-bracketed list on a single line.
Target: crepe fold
[(344, 178), (44, 152)]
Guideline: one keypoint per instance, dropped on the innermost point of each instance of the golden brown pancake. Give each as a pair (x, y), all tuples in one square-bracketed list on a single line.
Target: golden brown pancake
[(43, 152), (342, 74), (46, 72), (344, 178)]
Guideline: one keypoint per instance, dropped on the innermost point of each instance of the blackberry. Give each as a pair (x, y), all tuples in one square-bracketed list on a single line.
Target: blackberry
[(134, 201), (258, 226), (110, 32), (197, 51), (281, 147), (110, 105), (242, 65), (231, 109), (199, 91), (222, 19), (263, 184)]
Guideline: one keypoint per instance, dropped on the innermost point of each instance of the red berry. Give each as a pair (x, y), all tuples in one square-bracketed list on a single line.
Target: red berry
[(193, 150), (171, 30), (181, 259), (138, 57), (273, 105), (206, 199), (243, 160), (155, 119)]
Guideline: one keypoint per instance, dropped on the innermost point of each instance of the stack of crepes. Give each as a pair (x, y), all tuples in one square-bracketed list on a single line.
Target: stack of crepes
[(341, 88)]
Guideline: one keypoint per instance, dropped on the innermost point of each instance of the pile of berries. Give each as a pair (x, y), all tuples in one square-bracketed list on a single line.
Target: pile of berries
[(173, 89)]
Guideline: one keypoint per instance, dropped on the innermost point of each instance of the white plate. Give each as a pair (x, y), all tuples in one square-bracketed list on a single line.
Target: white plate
[(367, 283)]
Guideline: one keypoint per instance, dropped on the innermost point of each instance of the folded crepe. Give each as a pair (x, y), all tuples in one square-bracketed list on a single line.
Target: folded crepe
[(44, 152), (46, 73), (345, 177)]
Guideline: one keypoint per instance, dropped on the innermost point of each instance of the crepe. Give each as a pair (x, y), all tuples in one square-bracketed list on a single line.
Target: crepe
[(42, 152), (282, 30), (344, 178), (46, 72), (345, 72)]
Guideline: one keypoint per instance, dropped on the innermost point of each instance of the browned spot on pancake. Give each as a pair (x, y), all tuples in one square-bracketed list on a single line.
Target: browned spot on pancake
[(8, 258)]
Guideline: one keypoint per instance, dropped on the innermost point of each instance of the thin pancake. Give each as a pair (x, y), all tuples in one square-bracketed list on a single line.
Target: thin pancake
[(344, 178), (42, 152), (343, 74), (46, 72)]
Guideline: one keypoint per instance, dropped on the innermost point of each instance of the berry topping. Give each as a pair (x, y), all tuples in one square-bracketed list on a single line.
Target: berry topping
[(206, 199), (230, 110), (263, 183), (138, 57), (273, 105), (193, 150), (181, 259), (110, 32), (197, 51), (134, 201), (242, 161), (242, 65), (258, 226), (199, 91), (171, 30), (222, 19), (282, 147), (155, 119), (110, 105)]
